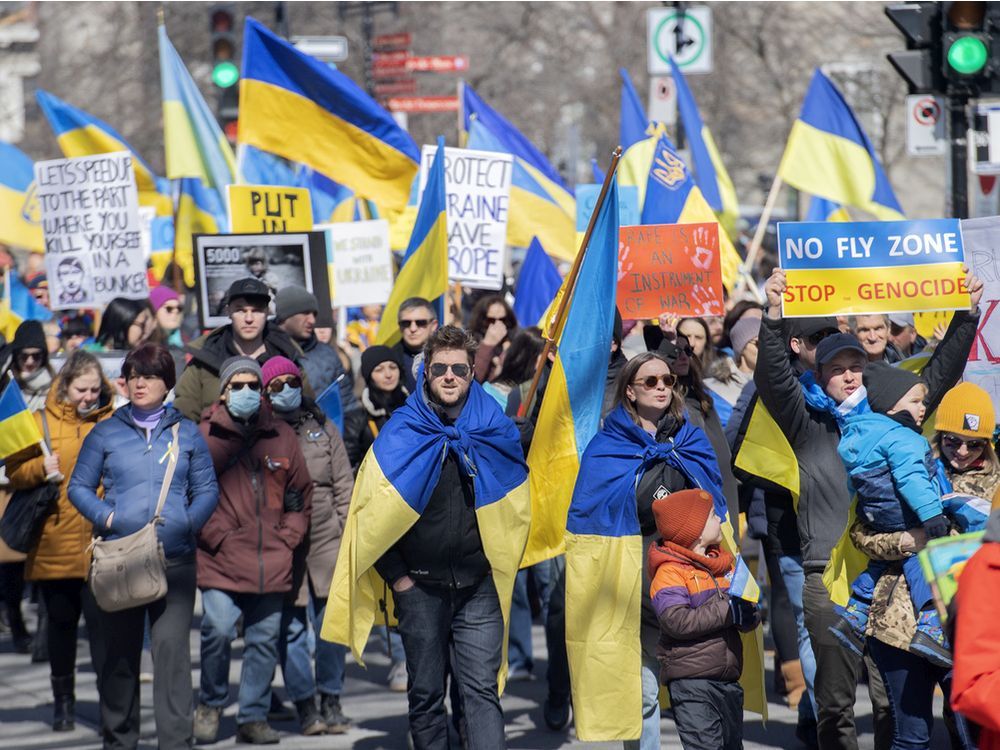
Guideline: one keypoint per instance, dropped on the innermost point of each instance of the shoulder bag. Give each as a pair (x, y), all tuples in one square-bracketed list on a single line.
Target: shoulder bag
[(25, 514)]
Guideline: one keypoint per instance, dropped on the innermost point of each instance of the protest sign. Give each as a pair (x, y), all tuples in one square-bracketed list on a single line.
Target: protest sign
[(850, 268), (669, 268), (478, 188), (279, 260), (90, 219), (360, 262), (269, 209), (982, 250), (926, 322)]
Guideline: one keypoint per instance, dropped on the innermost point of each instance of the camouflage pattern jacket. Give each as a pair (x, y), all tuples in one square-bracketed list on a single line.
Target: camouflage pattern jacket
[(891, 618)]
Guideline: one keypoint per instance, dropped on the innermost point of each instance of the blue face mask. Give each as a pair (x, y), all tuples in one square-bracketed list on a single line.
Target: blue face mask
[(287, 399), (243, 403)]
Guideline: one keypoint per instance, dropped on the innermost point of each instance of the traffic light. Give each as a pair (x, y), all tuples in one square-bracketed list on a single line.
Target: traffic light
[(920, 64), (225, 72), (966, 44)]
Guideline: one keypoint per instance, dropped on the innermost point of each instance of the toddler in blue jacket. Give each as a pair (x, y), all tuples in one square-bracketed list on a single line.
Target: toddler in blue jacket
[(893, 471)]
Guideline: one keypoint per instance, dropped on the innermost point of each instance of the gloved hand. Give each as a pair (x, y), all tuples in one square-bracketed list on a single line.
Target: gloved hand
[(744, 613), (937, 526), (293, 501)]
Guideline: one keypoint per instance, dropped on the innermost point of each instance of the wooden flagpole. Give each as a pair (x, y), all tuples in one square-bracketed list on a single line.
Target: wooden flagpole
[(563, 309), (758, 238)]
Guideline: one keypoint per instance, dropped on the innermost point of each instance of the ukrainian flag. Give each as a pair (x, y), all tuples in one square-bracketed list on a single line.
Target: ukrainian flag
[(20, 221), (18, 429), (633, 121), (393, 487), (828, 154), (570, 413), (295, 106), (199, 211), (820, 209), (669, 195), (538, 283), (541, 204), (424, 272), (709, 171)]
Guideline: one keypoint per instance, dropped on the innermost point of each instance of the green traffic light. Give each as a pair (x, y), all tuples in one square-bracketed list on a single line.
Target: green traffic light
[(967, 55), (225, 74)]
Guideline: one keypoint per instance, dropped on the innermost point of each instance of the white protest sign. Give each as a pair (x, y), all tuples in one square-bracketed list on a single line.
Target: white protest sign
[(90, 218), (982, 253), (360, 262), (478, 188)]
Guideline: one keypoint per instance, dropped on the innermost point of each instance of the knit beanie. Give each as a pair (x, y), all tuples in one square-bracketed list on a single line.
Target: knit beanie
[(276, 367), (234, 366), (886, 385), (30, 335), (966, 410), (161, 295), (292, 300), (373, 356), (681, 516), (741, 334)]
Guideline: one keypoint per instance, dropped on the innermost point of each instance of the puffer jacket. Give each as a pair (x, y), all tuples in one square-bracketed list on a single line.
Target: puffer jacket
[(246, 546), (63, 548), (117, 455)]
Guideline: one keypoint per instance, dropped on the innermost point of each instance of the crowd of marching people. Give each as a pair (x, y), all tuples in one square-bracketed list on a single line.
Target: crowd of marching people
[(217, 438)]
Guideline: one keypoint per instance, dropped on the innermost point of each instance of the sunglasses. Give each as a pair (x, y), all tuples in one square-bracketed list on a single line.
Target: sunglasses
[(815, 338), (255, 386), (24, 356), (171, 308), (492, 320), (460, 370), (688, 350), (277, 386), (669, 380), (954, 443), (419, 323)]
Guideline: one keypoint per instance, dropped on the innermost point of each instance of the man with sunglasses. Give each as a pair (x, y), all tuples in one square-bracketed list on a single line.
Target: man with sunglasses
[(808, 410), (417, 321)]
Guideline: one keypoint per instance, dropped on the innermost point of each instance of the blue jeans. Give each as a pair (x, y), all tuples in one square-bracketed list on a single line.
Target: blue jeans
[(295, 651), (650, 737), (261, 630), (465, 624), (794, 578), (519, 651)]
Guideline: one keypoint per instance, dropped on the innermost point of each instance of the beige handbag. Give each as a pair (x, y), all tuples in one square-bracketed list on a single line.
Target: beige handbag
[(132, 571)]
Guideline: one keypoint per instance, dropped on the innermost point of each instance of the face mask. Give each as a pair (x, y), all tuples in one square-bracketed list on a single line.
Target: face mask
[(83, 411), (243, 403), (287, 399)]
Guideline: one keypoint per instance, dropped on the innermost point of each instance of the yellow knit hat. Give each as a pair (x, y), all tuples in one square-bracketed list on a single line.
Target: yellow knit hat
[(966, 410)]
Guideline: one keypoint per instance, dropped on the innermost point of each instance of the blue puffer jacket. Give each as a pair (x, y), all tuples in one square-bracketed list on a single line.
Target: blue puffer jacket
[(893, 471), (116, 455)]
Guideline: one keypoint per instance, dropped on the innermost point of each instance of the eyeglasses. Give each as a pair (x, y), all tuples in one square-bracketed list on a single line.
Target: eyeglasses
[(954, 443), (254, 386), (277, 386), (24, 355), (171, 308), (669, 380), (460, 370), (815, 338), (419, 323)]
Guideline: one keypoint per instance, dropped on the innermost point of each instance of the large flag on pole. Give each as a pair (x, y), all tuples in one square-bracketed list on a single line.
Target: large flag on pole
[(633, 121), (295, 106), (829, 154), (20, 220), (538, 282)]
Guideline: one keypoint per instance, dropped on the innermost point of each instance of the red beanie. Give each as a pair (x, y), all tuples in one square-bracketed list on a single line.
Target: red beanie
[(277, 366), (681, 516)]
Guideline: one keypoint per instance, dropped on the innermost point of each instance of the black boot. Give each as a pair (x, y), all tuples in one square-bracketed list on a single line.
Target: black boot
[(65, 702)]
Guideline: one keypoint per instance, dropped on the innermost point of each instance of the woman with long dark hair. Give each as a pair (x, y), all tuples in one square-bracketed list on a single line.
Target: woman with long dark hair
[(126, 324), (517, 365), (492, 322)]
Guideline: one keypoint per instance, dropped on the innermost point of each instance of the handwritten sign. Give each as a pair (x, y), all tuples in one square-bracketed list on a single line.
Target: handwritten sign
[(360, 262), (90, 219), (477, 184), (850, 268), (268, 209), (669, 268), (982, 248)]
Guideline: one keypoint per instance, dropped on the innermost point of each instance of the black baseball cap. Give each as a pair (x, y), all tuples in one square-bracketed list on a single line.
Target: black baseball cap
[(803, 328), (836, 343), (248, 288)]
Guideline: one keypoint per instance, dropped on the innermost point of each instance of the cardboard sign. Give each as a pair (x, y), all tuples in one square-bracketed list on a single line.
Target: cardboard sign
[(93, 238), (478, 188), (360, 262), (267, 208), (982, 248), (852, 268), (669, 268)]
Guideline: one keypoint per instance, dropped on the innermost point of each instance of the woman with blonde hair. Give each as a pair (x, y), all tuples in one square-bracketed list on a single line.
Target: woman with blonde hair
[(963, 440)]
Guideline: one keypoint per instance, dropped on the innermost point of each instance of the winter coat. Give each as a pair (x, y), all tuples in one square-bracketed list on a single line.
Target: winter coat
[(615, 365), (407, 358), (362, 426), (247, 544), (198, 386), (63, 548), (824, 499), (890, 618), (332, 483), (983, 482), (131, 468), (322, 366)]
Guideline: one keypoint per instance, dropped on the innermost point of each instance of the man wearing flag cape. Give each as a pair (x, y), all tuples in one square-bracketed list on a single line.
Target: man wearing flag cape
[(440, 517)]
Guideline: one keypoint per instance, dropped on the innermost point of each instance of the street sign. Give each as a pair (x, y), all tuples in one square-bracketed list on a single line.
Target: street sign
[(438, 64), (402, 86), (423, 104), (662, 100), (925, 134), (983, 138), (687, 35), (328, 49), (392, 41)]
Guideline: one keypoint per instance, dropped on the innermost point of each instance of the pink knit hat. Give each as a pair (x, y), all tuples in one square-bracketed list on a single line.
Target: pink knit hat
[(161, 295), (278, 366)]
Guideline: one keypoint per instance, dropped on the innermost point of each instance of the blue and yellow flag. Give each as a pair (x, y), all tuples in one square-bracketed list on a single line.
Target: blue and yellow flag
[(709, 171), (20, 219), (829, 154), (392, 490), (820, 209), (199, 211), (541, 204), (537, 284), (633, 121), (293, 105), (18, 428), (424, 272), (668, 193)]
